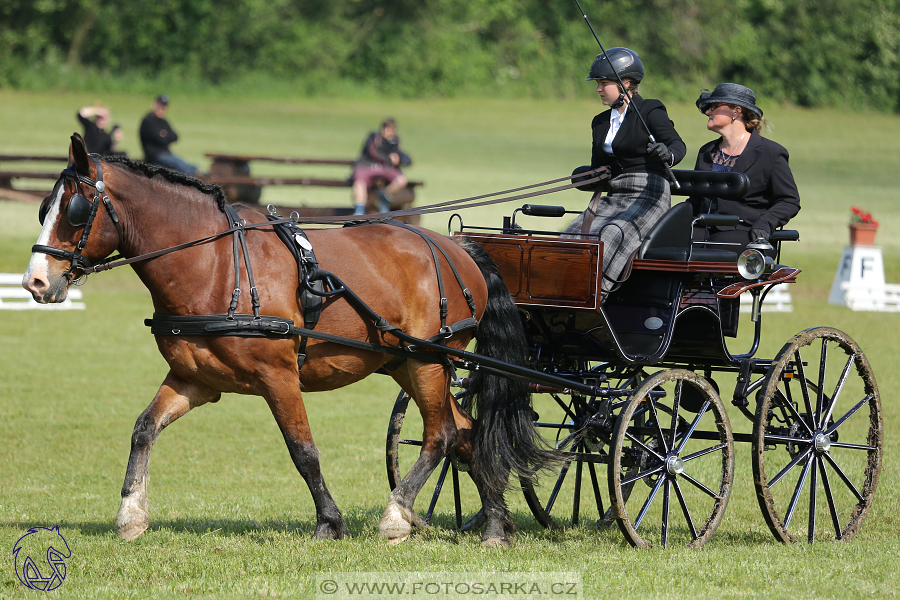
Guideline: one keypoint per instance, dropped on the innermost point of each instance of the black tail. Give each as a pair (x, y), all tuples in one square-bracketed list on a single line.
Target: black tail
[(505, 436)]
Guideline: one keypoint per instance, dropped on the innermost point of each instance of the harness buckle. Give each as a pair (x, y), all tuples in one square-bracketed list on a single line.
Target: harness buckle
[(445, 332)]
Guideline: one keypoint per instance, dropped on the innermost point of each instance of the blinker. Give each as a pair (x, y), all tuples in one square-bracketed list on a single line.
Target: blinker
[(79, 210)]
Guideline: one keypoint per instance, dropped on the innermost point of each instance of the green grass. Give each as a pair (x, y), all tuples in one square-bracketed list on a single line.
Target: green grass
[(230, 516)]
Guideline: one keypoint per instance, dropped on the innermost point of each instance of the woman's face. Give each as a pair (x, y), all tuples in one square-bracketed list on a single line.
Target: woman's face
[(608, 90), (721, 116)]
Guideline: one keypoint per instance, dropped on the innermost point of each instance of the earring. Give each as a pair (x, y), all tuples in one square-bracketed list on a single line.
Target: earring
[(733, 117)]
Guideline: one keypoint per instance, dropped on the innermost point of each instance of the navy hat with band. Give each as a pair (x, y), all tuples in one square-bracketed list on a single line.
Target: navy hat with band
[(729, 93)]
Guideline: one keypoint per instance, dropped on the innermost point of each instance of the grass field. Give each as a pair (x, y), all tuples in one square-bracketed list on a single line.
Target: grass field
[(230, 516)]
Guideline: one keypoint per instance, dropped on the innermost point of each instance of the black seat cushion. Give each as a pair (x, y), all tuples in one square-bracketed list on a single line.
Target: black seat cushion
[(670, 238)]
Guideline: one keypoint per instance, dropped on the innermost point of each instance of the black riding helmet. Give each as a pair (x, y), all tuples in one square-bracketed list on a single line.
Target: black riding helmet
[(626, 63)]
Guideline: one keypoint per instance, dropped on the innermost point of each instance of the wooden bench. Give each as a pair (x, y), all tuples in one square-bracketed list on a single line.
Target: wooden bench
[(7, 176), (14, 297), (232, 172)]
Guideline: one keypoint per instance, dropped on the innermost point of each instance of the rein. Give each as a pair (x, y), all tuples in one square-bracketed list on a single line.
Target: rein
[(119, 261)]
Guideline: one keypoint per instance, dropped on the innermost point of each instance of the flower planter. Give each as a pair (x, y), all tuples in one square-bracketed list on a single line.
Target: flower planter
[(862, 234)]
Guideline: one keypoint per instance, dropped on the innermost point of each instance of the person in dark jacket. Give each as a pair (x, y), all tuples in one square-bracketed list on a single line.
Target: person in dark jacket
[(772, 199), (94, 119), (156, 136), (380, 158), (638, 187)]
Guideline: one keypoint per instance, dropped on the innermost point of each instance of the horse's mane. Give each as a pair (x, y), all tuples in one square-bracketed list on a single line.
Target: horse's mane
[(172, 176)]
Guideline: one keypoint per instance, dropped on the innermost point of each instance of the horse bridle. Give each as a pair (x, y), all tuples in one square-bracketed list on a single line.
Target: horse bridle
[(81, 213)]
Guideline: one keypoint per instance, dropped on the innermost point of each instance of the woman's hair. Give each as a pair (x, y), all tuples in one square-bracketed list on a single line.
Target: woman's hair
[(751, 120), (632, 85)]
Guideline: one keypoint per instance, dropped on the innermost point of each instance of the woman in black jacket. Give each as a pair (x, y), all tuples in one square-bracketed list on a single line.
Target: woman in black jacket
[(772, 199), (638, 187)]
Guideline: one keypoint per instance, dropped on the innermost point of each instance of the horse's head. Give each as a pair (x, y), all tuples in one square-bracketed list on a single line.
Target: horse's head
[(75, 235)]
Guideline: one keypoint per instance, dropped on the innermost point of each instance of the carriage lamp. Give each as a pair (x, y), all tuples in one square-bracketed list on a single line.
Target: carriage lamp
[(751, 264)]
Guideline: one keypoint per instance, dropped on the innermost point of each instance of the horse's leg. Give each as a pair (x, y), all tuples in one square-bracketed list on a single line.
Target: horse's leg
[(431, 390), (174, 399), (498, 525), (286, 403)]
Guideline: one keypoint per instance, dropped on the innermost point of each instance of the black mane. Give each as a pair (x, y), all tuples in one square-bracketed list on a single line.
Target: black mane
[(172, 176)]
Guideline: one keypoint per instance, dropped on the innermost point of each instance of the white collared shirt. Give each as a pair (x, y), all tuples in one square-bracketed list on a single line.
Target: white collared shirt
[(615, 122)]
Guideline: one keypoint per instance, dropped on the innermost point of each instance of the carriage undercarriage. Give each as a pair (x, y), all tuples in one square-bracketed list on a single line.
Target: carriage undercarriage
[(645, 403)]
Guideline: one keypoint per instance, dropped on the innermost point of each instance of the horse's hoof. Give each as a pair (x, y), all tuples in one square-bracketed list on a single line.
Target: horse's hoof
[(329, 532), (131, 531), (395, 523), (132, 519), (395, 541), (495, 542)]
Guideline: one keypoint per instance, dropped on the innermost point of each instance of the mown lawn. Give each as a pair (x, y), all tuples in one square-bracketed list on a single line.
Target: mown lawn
[(230, 516)]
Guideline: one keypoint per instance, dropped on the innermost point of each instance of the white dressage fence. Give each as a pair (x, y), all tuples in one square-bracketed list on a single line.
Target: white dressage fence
[(14, 297)]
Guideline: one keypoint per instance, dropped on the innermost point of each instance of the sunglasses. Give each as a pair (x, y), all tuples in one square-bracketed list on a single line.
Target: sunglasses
[(78, 210)]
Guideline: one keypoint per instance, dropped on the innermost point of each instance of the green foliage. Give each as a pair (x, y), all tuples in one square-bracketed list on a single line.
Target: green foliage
[(810, 52)]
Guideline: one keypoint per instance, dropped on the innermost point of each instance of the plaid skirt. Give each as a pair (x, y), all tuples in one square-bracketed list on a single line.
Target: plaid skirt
[(636, 201)]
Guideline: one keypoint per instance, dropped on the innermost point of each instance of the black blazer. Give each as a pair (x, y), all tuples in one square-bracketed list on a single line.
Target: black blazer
[(630, 144), (772, 199)]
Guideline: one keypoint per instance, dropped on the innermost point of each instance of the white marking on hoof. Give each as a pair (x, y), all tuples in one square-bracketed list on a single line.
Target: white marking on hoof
[(133, 518), (395, 523)]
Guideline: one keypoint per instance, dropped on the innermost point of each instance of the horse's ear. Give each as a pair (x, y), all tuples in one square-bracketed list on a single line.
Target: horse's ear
[(78, 154)]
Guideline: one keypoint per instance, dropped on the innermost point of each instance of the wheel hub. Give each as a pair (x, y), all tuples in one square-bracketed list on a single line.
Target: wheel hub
[(822, 442), (674, 465)]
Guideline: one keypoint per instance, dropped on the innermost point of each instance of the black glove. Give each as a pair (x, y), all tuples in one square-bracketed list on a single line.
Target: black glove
[(661, 152), (756, 234)]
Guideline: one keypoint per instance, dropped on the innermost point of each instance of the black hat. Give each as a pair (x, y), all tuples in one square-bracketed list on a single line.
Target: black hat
[(623, 61), (729, 93), (164, 99)]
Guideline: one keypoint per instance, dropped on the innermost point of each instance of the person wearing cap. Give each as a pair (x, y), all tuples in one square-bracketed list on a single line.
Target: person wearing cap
[(379, 159), (772, 199), (156, 136), (94, 119), (638, 187)]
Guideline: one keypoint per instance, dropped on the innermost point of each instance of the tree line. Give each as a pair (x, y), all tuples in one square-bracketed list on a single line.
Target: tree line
[(809, 52)]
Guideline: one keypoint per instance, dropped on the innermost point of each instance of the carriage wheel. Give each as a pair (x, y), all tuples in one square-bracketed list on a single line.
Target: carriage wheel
[(584, 432), (687, 462), (818, 435), (409, 448)]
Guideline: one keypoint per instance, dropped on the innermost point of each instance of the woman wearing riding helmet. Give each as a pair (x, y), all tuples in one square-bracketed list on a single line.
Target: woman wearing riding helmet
[(772, 199), (638, 187)]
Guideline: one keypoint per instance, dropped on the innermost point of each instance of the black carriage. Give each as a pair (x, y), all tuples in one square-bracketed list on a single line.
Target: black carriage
[(642, 395)]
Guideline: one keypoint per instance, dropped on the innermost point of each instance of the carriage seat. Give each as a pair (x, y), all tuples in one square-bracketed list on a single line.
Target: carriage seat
[(670, 239)]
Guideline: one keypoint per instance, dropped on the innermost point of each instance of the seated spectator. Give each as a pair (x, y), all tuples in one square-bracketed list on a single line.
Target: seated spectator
[(94, 119), (380, 158), (773, 199), (156, 136)]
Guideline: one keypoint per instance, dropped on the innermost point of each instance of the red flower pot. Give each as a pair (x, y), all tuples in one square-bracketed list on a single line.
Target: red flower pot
[(862, 234)]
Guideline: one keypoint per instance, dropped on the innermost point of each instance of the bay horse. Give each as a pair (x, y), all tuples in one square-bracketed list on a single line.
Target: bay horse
[(146, 208)]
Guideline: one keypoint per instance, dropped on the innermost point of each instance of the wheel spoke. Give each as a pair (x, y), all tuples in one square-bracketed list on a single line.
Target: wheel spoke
[(437, 489), (676, 405), (790, 466), (640, 476), (700, 453), (646, 507), (559, 482), (787, 439), (595, 484), (796, 496), (852, 446), (701, 487), (693, 426), (829, 496), (843, 476), (665, 514), (576, 499), (684, 509), (645, 447), (820, 392), (811, 532), (797, 416), (662, 438), (804, 383), (837, 390), (849, 414)]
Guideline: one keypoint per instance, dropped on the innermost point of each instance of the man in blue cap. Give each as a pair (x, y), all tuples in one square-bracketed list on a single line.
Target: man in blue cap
[(156, 135)]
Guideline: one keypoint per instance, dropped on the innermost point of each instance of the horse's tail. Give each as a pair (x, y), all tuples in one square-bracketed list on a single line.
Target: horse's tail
[(505, 437)]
